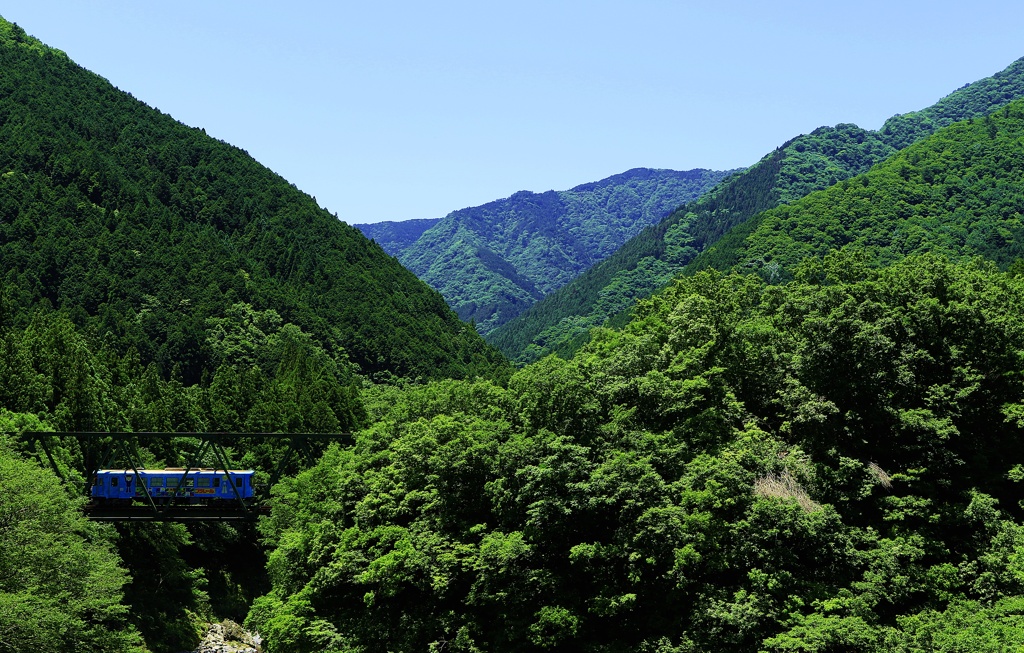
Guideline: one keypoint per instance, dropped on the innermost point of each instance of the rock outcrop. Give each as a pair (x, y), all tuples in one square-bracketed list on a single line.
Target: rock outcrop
[(229, 637)]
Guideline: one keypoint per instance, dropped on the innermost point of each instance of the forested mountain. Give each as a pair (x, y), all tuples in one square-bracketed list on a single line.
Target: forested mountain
[(147, 232), (490, 262), (155, 279), (393, 237), (829, 463), (957, 193), (560, 322)]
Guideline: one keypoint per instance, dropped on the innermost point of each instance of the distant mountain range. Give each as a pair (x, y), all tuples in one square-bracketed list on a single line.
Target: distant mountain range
[(395, 237), (560, 322), (493, 261)]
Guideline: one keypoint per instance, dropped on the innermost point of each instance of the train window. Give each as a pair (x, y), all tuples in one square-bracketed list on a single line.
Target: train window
[(190, 482), (113, 481), (216, 481), (238, 481), (156, 481), (203, 481), (172, 482)]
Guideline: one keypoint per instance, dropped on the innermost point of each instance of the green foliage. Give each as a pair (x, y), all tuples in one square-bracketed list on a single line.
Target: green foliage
[(271, 377), (60, 579), (491, 262), (275, 381), (827, 156), (973, 100), (561, 321), (956, 193), (819, 465)]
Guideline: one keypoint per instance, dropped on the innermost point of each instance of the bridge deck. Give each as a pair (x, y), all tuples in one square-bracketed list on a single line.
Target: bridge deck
[(173, 513), (121, 450)]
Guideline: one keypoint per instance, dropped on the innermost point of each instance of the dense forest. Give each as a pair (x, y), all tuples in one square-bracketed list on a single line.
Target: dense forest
[(55, 376), (957, 193), (155, 279), (491, 262), (560, 322), (833, 464), (822, 456), (815, 448)]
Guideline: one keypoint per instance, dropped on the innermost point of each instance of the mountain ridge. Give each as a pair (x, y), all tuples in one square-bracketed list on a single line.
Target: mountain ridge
[(955, 193), (394, 236), (492, 261), (560, 322), (114, 211)]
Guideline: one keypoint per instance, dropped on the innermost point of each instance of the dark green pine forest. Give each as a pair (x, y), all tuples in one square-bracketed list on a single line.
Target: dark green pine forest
[(493, 261), (144, 230), (560, 322), (810, 440)]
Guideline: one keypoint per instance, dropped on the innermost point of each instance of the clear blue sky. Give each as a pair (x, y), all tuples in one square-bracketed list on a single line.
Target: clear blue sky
[(396, 110)]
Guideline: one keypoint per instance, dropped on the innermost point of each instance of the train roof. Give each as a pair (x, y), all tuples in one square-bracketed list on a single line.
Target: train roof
[(175, 470)]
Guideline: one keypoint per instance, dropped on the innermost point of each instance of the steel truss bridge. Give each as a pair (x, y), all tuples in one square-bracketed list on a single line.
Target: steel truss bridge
[(120, 450)]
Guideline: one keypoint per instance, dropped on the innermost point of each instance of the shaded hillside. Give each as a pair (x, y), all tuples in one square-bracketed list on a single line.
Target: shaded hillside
[(959, 193), (146, 230), (393, 237), (744, 468), (492, 261), (560, 322)]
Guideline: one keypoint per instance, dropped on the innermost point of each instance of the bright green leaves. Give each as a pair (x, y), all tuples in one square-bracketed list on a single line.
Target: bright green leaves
[(812, 466), (554, 394), (60, 581), (554, 626), (963, 626), (238, 338)]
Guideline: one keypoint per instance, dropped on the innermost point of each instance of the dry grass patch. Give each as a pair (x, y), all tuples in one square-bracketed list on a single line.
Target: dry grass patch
[(784, 486), (883, 479)]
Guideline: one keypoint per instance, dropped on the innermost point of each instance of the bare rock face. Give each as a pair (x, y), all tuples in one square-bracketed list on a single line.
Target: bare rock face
[(229, 637)]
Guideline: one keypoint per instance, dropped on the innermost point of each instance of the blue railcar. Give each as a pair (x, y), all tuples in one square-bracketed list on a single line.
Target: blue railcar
[(198, 486)]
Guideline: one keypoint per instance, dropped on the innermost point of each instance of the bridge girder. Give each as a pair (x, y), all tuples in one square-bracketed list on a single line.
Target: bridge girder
[(104, 449)]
